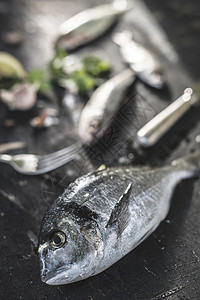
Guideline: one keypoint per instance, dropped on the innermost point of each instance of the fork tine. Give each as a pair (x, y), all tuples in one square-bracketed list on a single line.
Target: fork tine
[(56, 163), (56, 160), (63, 157), (60, 153), (30, 164), (49, 159), (43, 162), (63, 160)]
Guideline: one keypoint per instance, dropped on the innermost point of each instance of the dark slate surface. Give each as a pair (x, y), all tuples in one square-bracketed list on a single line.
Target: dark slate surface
[(167, 264)]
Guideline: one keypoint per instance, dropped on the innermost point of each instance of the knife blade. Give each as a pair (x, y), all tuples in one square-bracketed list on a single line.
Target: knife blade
[(153, 130)]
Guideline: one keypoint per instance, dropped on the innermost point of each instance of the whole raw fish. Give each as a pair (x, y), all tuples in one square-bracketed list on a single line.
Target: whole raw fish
[(102, 105), (89, 24), (104, 215), (141, 60)]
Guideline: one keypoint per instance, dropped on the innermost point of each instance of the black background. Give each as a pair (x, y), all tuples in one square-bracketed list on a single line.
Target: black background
[(167, 264)]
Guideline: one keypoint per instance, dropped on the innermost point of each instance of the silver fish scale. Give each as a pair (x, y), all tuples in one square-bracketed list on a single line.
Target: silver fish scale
[(146, 204), (112, 211), (147, 209), (95, 195), (100, 191)]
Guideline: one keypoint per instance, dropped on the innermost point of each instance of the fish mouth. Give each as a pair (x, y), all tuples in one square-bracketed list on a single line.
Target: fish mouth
[(56, 277), (154, 79), (53, 280), (61, 276)]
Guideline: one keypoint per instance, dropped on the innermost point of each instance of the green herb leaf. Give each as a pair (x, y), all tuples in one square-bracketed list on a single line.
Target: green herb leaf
[(38, 78), (84, 82), (56, 65), (95, 66), (85, 77), (60, 53)]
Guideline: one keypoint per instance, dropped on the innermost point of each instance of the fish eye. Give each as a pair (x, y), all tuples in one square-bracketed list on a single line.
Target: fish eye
[(94, 125), (58, 239)]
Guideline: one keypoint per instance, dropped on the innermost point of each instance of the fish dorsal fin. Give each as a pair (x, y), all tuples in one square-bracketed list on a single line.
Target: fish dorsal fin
[(120, 214)]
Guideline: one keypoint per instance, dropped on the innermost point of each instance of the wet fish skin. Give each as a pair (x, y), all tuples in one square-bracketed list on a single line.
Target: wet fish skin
[(140, 59), (106, 214), (102, 105), (89, 24)]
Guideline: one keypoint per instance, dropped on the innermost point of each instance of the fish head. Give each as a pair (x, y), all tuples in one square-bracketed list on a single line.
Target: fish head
[(89, 126), (153, 78), (94, 126), (70, 246)]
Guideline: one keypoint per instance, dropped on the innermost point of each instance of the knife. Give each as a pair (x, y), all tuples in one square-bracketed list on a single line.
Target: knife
[(152, 131)]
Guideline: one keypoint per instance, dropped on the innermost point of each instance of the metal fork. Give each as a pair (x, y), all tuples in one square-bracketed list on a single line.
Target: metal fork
[(30, 164)]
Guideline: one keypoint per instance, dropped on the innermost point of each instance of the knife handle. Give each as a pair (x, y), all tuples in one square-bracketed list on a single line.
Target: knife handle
[(152, 131)]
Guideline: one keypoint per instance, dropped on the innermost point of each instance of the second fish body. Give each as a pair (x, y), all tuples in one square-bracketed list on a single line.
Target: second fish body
[(140, 59), (103, 104), (89, 24)]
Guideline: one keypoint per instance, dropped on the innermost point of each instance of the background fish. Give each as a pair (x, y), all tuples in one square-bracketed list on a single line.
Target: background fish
[(141, 60), (103, 104), (104, 215), (89, 24)]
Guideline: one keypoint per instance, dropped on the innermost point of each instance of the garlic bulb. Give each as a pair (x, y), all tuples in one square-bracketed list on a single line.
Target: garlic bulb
[(19, 97)]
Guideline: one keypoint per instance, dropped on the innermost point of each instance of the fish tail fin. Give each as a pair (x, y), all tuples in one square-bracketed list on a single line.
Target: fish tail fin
[(190, 163)]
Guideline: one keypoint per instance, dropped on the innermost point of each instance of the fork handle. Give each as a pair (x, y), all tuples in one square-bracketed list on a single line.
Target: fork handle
[(5, 158), (151, 132)]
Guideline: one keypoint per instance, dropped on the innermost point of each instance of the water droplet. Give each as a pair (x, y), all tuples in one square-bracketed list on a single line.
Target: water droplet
[(86, 194), (23, 182)]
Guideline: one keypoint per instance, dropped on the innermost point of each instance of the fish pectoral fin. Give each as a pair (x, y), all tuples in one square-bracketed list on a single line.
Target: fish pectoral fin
[(120, 214)]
